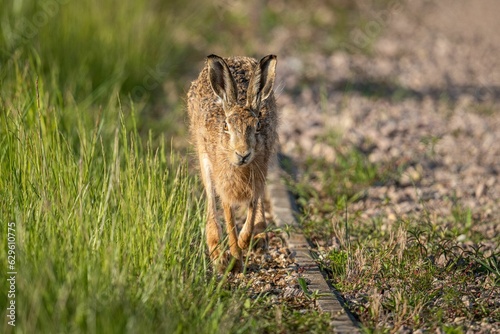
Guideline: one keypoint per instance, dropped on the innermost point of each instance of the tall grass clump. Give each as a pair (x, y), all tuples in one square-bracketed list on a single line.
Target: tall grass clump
[(145, 50), (108, 227), (135, 44)]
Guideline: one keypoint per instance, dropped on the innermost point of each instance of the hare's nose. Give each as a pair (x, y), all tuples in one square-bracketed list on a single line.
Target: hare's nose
[(243, 158)]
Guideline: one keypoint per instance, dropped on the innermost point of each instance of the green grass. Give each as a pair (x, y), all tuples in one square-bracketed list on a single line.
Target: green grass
[(108, 228), (92, 50), (415, 272)]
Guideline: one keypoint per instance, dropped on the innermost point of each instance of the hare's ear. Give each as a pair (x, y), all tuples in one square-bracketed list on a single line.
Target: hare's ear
[(222, 81), (261, 82)]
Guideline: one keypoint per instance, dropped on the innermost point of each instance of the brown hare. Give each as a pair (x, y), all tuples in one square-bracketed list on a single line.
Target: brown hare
[(233, 124)]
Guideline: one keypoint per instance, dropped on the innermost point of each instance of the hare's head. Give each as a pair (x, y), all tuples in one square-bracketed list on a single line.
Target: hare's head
[(242, 130)]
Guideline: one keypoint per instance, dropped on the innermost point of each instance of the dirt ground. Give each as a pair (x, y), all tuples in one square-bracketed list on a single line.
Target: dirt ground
[(420, 87)]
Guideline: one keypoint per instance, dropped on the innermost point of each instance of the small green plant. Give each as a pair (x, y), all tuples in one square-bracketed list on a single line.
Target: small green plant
[(430, 143), (338, 261)]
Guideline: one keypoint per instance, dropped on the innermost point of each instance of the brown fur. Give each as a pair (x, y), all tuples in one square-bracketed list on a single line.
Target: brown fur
[(233, 124)]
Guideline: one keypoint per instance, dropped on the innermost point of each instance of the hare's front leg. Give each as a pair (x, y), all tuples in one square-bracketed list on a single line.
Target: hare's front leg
[(233, 237), (212, 228), (256, 220)]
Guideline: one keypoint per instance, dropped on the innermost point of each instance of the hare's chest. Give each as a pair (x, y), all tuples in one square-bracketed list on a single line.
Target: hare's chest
[(238, 185), (234, 187)]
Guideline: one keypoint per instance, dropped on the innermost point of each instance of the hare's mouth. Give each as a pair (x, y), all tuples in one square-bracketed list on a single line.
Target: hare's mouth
[(242, 159)]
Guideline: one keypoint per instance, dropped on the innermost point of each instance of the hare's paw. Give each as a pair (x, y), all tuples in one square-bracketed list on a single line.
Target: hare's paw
[(244, 240), (260, 241), (235, 265), (228, 262)]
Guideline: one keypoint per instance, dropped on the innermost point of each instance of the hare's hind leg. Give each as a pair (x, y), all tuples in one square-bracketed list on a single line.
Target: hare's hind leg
[(260, 235), (233, 237), (255, 222), (213, 229)]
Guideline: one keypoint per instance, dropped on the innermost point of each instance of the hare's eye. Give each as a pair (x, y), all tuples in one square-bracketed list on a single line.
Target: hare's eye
[(258, 126), (226, 129)]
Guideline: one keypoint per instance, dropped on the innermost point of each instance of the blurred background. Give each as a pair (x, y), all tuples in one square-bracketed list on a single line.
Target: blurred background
[(149, 51)]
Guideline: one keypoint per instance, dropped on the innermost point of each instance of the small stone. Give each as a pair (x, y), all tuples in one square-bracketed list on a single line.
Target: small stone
[(410, 176), (480, 190), (403, 330), (467, 302), (323, 151), (491, 181)]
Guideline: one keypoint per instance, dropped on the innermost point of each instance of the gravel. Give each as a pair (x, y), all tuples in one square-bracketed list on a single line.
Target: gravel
[(422, 97)]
